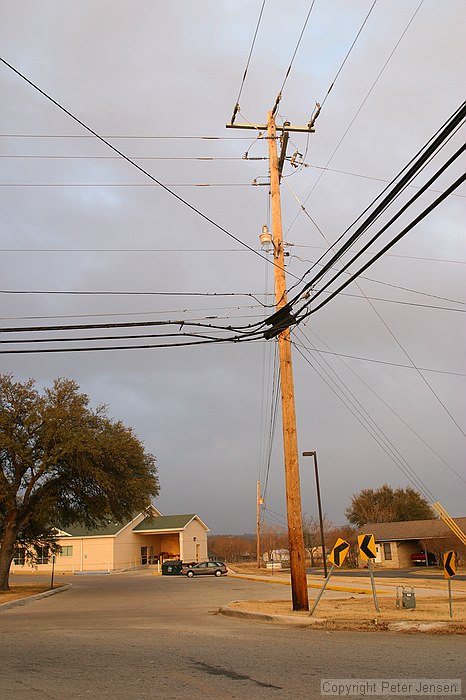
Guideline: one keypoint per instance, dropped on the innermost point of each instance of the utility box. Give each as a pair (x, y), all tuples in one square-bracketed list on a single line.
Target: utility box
[(405, 598), (171, 568)]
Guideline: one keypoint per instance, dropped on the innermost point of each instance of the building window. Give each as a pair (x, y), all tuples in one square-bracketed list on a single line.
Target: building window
[(387, 551), (66, 551), (20, 556), (42, 555)]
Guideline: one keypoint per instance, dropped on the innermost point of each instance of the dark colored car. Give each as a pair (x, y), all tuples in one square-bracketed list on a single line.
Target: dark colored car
[(205, 568)]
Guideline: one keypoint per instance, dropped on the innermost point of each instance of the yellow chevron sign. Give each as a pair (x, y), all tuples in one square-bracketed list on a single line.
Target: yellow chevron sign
[(449, 564), (339, 552), (367, 548)]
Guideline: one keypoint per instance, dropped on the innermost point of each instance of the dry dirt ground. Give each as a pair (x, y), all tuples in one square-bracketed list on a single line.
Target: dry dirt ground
[(362, 608)]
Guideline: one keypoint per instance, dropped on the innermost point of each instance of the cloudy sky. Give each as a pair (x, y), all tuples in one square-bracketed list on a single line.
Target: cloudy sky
[(155, 79)]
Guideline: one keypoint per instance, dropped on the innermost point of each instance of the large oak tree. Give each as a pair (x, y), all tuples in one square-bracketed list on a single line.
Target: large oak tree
[(386, 505), (63, 462)]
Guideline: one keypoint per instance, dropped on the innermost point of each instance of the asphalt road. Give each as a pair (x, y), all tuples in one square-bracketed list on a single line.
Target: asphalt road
[(143, 636)]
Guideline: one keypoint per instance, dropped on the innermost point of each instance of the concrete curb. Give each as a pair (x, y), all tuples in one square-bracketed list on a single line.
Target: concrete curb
[(266, 617), (32, 598), (391, 626)]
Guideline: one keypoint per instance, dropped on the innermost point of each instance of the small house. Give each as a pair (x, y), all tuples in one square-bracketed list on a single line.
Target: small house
[(404, 544)]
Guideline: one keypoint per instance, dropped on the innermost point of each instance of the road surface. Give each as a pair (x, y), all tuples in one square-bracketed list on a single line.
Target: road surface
[(138, 635)]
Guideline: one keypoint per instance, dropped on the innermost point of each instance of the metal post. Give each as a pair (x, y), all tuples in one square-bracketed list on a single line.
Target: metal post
[(53, 571), (449, 597), (258, 524), (371, 574), (322, 589), (319, 505)]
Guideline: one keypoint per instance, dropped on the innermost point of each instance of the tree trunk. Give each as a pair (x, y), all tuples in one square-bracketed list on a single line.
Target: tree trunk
[(7, 553)]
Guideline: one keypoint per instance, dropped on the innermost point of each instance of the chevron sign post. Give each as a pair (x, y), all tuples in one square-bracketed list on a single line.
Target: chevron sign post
[(449, 570), (368, 552), (336, 558)]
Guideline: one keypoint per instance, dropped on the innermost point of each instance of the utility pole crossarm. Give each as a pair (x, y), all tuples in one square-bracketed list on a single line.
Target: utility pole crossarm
[(263, 127)]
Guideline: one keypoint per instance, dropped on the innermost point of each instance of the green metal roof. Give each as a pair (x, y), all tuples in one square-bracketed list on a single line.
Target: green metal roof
[(108, 529), (100, 531), (165, 522)]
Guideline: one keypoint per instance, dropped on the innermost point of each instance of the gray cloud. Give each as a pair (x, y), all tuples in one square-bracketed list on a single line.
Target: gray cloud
[(175, 70)]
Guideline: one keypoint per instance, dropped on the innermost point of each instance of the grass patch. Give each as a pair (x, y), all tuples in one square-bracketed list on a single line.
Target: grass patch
[(22, 591)]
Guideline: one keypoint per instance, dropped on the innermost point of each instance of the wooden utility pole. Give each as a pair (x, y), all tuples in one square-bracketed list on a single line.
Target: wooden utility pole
[(290, 440), (258, 524)]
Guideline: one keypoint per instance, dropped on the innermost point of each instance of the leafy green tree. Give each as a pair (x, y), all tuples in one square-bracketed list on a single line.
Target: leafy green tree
[(62, 463), (385, 505)]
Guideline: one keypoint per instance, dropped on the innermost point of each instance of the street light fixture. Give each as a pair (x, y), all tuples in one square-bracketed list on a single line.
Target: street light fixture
[(319, 505), (266, 239)]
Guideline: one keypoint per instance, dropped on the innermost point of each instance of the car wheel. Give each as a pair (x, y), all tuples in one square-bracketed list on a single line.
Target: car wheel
[(190, 574), (218, 573)]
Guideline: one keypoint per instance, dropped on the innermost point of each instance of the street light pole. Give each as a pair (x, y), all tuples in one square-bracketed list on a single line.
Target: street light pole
[(319, 505)]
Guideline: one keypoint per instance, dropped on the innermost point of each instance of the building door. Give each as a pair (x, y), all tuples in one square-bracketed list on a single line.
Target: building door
[(144, 555), (198, 551)]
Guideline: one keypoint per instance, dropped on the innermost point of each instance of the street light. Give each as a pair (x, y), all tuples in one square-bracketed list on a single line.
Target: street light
[(319, 505), (266, 239)]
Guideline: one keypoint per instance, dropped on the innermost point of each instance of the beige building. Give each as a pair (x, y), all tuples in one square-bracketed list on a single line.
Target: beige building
[(397, 542), (148, 539)]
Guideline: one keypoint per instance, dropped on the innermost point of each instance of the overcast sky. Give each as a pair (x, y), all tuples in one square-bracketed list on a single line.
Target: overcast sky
[(74, 218)]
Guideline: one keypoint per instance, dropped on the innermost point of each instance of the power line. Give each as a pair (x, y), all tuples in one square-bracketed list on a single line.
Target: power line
[(237, 107), (127, 324), (146, 184), (398, 184), (387, 405), (390, 364), (127, 347), (361, 106), (201, 158), (406, 303), (365, 419), (131, 162), (392, 286), (348, 53), (365, 177), (279, 96), (398, 237), (410, 171), (134, 313), (131, 293), (415, 221), (220, 250), (115, 137)]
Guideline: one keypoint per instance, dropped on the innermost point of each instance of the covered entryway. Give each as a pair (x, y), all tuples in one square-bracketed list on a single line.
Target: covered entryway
[(172, 537)]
